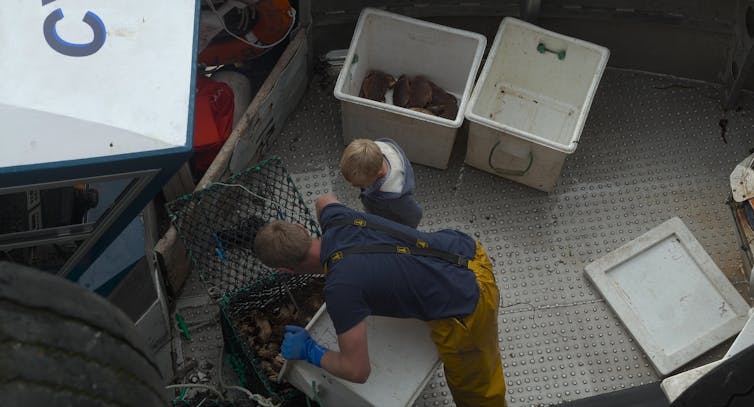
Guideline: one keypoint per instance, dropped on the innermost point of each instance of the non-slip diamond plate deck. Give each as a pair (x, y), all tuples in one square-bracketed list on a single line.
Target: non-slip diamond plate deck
[(653, 147)]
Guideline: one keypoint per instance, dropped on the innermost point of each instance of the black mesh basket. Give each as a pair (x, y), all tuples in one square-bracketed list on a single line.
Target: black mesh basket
[(268, 299), (218, 225)]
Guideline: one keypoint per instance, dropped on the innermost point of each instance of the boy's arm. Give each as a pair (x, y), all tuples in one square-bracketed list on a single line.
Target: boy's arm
[(323, 201)]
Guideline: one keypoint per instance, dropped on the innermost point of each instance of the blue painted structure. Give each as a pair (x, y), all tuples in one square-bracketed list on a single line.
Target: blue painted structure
[(59, 110)]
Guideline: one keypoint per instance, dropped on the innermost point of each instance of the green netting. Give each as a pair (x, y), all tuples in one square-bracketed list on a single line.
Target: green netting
[(218, 224), (266, 298)]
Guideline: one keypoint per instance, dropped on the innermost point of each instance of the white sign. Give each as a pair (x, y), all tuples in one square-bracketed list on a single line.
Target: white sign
[(93, 78)]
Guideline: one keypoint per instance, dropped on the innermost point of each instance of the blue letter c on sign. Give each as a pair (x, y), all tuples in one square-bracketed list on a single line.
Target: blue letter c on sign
[(72, 49)]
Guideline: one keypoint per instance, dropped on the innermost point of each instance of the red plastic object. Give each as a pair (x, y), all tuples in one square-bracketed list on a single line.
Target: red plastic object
[(213, 120), (273, 24)]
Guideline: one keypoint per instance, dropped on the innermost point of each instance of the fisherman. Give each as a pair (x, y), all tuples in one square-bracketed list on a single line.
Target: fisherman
[(375, 266)]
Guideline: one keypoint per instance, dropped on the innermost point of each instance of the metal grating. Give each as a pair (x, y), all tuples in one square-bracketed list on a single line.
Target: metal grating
[(652, 148)]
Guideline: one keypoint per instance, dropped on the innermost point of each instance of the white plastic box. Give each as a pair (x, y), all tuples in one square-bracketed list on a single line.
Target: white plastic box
[(399, 45), (670, 295), (403, 360), (530, 103)]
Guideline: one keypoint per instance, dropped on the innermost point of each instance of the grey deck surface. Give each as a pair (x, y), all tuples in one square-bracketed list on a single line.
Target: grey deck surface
[(651, 149)]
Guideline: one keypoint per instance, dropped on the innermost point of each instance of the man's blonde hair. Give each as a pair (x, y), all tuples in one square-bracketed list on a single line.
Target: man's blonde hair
[(281, 244), (361, 161)]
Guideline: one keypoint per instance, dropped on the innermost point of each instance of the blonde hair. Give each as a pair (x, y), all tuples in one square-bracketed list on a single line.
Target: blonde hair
[(281, 244), (361, 161)]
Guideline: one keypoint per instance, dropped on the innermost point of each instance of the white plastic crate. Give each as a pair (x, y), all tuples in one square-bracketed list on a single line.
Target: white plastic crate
[(403, 360), (530, 103), (400, 45)]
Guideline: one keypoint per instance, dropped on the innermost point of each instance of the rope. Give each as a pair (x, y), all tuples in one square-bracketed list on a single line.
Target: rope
[(201, 386), (259, 399), (280, 208)]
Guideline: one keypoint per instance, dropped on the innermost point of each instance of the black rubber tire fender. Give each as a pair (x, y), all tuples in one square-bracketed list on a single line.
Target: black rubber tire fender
[(62, 345)]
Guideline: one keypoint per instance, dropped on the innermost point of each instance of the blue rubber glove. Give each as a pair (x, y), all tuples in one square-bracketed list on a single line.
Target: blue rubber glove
[(297, 344)]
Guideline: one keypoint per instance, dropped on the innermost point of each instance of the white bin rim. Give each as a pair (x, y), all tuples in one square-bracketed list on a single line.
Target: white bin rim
[(565, 148), (463, 99), (405, 383)]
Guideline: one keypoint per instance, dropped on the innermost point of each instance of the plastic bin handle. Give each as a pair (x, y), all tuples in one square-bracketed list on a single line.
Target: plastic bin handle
[(542, 49), (507, 171)]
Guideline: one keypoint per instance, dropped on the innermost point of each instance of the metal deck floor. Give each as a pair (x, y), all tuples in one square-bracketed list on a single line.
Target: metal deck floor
[(651, 149)]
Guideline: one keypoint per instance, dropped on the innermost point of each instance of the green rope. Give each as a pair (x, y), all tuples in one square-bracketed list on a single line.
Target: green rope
[(181, 397), (182, 325)]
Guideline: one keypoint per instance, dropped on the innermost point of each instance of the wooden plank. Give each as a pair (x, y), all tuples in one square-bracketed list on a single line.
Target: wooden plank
[(262, 120), (746, 235), (305, 13), (267, 121), (181, 183), (701, 14), (745, 228), (327, 12), (741, 59), (251, 124), (149, 219), (173, 259), (156, 273)]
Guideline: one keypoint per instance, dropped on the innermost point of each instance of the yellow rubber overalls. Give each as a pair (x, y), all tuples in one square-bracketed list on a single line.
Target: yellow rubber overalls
[(468, 346)]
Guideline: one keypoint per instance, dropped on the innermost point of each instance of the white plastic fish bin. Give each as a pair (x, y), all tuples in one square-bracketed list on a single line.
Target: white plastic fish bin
[(398, 45), (531, 101), (402, 356)]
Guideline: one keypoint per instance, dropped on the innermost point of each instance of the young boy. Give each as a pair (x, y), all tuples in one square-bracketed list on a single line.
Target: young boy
[(384, 174)]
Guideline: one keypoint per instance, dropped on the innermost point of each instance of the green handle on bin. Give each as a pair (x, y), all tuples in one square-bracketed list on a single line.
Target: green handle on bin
[(542, 49), (507, 171)]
